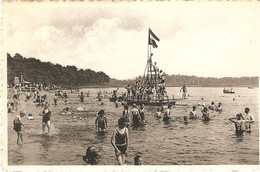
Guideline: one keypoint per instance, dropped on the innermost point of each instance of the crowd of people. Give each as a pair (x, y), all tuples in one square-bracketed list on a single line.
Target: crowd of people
[(133, 115)]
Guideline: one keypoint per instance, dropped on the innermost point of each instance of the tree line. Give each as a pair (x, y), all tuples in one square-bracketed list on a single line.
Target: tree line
[(47, 73), (33, 70)]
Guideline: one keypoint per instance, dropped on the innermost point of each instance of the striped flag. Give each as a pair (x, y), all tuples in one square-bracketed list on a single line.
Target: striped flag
[(152, 38)]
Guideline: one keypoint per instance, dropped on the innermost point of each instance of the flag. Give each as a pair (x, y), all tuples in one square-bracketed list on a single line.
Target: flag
[(152, 38), (153, 35), (153, 43)]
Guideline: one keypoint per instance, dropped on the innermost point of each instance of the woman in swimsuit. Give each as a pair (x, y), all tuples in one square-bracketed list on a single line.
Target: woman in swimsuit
[(101, 121), (46, 117), (120, 141)]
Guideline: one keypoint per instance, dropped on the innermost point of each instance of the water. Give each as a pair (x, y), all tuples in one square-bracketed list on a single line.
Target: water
[(197, 143)]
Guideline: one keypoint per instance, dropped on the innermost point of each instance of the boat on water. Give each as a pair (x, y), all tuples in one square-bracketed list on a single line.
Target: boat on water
[(151, 89), (251, 88), (228, 91)]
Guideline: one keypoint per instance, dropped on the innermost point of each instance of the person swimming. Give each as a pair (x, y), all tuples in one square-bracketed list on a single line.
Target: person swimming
[(138, 160), (205, 114), (120, 141), (219, 107), (93, 155), (193, 112), (239, 124), (158, 113), (18, 126), (81, 97), (212, 106), (30, 117), (185, 118), (101, 121)]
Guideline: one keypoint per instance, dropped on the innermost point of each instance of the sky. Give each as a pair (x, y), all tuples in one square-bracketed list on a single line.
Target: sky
[(196, 38)]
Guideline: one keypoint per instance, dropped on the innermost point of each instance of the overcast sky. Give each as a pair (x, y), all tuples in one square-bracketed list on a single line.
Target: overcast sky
[(202, 39)]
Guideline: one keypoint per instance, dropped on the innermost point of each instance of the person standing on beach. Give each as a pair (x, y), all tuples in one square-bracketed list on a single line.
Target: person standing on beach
[(46, 117), (120, 141), (184, 91), (249, 119), (18, 126)]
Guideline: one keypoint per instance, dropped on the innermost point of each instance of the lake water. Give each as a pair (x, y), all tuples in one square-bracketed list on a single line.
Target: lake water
[(197, 143)]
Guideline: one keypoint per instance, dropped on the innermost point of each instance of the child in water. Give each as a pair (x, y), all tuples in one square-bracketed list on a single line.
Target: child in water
[(193, 114), (18, 126), (219, 107), (120, 141), (141, 112), (239, 124), (138, 160), (212, 106), (205, 114), (101, 121), (93, 155), (185, 118), (158, 113)]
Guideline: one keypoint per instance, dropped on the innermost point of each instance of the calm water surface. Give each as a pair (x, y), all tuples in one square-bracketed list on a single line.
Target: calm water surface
[(197, 143)]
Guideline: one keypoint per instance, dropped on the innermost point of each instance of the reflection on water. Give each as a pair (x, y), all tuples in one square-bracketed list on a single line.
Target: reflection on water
[(196, 142)]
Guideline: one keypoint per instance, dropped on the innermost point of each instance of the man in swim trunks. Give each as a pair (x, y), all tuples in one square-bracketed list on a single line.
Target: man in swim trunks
[(120, 141), (239, 124), (18, 126), (193, 114), (101, 121)]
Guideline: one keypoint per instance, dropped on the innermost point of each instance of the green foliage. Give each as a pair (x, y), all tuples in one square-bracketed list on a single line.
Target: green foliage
[(33, 70)]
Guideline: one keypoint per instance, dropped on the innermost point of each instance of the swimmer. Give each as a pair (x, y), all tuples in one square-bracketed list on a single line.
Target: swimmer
[(136, 118), (120, 141), (249, 119), (30, 117), (81, 97), (185, 120), (184, 91), (193, 114), (138, 160), (55, 99), (46, 117), (219, 107), (93, 155), (18, 126), (101, 121), (141, 112), (212, 106), (239, 124), (205, 114), (158, 113), (126, 115)]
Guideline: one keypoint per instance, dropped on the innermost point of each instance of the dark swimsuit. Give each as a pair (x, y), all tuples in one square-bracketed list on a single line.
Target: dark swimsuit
[(101, 124), (17, 126), (46, 117), (121, 141)]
